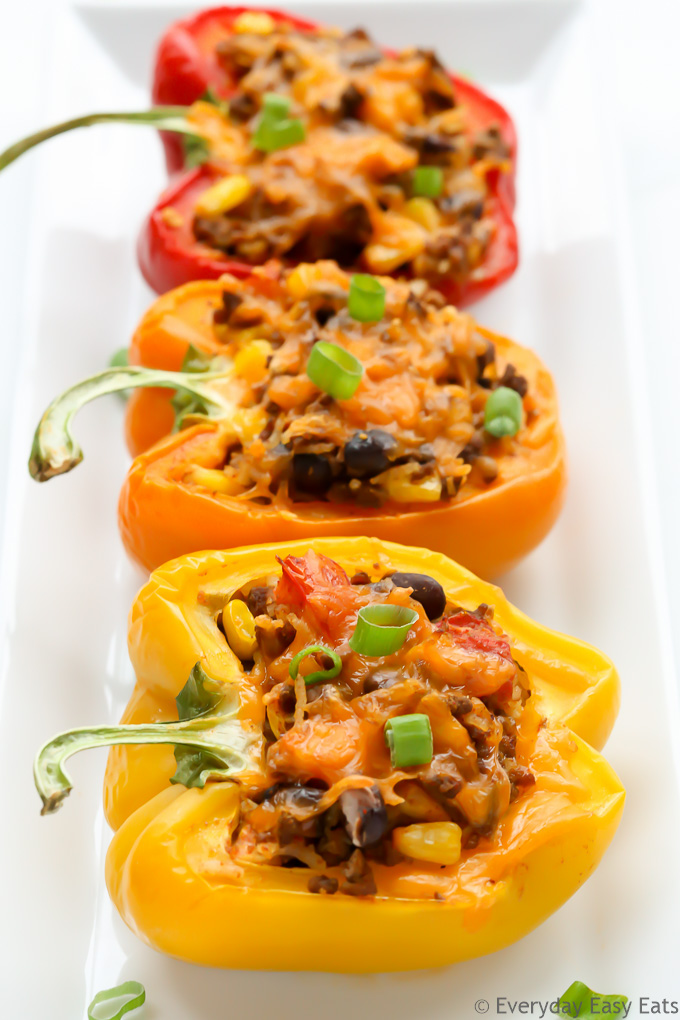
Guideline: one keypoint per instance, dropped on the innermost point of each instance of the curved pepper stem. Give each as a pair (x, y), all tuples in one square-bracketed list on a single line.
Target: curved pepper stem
[(213, 756), (55, 451), (163, 118), (210, 740)]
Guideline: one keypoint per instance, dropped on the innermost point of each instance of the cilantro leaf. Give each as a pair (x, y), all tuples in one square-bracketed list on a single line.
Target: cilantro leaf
[(201, 698), (196, 151)]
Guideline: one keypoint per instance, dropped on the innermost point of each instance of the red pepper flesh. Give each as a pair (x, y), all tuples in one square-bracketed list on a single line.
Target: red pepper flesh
[(186, 66)]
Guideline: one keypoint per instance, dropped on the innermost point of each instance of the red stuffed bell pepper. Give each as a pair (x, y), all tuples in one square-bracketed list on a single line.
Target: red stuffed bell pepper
[(399, 166)]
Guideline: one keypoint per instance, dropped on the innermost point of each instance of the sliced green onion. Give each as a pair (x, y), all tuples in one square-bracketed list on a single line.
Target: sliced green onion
[(503, 412), (319, 675), (581, 1001), (428, 181), (381, 629), (366, 300), (132, 988), (280, 134), (334, 370), (409, 738), (274, 106)]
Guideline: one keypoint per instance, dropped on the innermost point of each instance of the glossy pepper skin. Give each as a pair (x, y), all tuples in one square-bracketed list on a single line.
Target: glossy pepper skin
[(186, 66), (161, 516), (163, 865)]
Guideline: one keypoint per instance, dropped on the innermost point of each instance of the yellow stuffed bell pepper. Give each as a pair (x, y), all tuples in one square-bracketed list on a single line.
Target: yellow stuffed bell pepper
[(376, 764)]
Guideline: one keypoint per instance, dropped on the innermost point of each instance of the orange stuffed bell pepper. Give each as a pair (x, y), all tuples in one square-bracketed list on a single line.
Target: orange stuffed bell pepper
[(372, 744), (315, 403)]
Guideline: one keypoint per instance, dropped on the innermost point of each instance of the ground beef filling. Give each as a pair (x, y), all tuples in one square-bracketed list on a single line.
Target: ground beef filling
[(414, 430), (335, 804), (347, 191)]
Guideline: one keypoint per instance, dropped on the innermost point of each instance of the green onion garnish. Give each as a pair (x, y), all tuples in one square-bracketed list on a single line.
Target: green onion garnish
[(503, 412), (409, 738), (275, 130), (334, 370), (281, 134), (274, 106), (428, 181), (319, 675), (132, 988), (581, 1001), (381, 629), (366, 300)]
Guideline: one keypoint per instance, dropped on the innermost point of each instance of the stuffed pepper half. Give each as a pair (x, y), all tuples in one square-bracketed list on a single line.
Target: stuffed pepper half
[(327, 147), (333, 148), (379, 764), (311, 402)]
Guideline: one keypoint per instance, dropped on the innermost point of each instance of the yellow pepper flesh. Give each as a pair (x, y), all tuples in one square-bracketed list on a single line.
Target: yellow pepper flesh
[(178, 889)]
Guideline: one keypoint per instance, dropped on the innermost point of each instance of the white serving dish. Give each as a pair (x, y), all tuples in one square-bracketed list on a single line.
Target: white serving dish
[(66, 585)]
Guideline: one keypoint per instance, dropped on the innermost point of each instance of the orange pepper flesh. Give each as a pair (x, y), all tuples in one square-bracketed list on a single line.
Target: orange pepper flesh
[(178, 889), (488, 528)]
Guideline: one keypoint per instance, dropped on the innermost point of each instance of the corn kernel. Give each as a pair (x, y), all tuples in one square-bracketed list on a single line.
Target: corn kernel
[(419, 804), (214, 480), (251, 362), (239, 628), (423, 211), (300, 281), (401, 489), (255, 22), (226, 194), (398, 239), (247, 423), (436, 842)]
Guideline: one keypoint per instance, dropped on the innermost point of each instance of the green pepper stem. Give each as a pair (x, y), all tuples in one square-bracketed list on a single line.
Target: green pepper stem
[(54, 784), (55, 451), (164, 118)]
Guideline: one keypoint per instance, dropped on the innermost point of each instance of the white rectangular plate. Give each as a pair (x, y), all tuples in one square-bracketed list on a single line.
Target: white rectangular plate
[(66, 586)]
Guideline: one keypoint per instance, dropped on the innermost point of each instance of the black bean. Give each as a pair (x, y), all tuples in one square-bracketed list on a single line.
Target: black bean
[(426, 590), (366, 453), (365, 815), (312, 473)]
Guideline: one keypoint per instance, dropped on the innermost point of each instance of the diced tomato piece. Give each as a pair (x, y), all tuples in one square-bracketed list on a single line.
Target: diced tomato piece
[(475, 635), (317, 584)]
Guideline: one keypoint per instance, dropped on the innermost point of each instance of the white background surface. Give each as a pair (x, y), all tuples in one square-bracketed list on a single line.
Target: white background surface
[(70, 587)]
